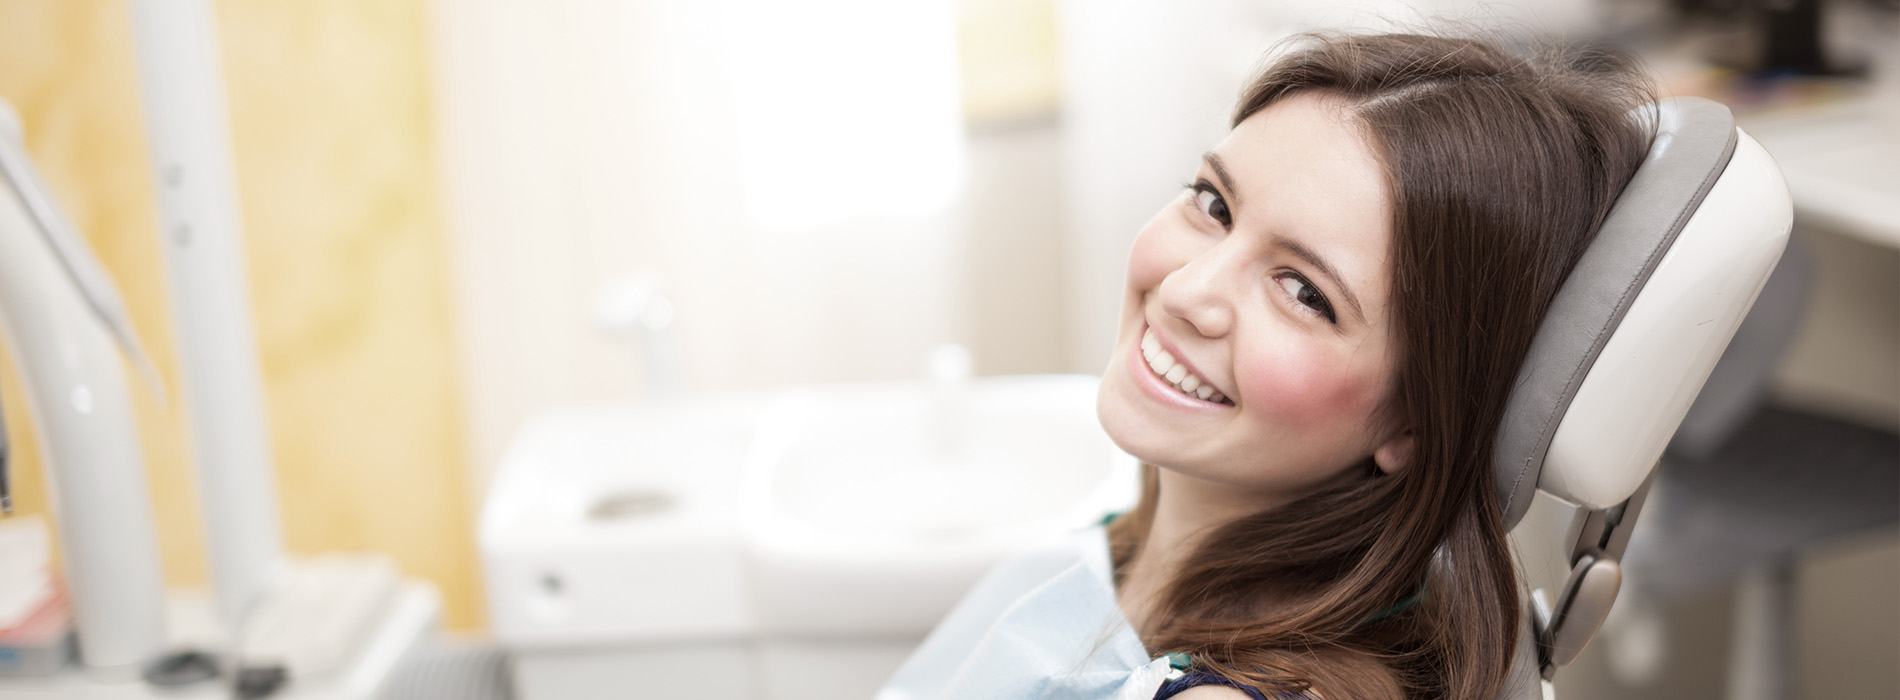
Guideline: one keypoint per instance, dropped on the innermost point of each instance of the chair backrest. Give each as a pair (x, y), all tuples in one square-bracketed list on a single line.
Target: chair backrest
[(1628, 341)]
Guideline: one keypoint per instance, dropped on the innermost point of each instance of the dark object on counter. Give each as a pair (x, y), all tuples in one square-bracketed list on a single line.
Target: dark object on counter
[(181, 668), (6, 495), (1780, 38), (1791, 38), (259, 682)]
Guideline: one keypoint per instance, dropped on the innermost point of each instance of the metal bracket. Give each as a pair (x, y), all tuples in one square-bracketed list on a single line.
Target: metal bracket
[(1597, 541)]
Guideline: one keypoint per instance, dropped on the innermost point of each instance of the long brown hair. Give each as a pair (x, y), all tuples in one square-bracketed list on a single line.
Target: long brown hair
[(1501, 169)]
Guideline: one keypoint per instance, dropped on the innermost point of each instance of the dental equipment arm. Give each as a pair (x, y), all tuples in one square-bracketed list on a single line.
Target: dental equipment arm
[(182, 90), (62, 323), (101, 295)]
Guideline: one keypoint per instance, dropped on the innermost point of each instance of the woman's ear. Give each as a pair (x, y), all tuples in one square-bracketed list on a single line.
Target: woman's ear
[(1395, 454)]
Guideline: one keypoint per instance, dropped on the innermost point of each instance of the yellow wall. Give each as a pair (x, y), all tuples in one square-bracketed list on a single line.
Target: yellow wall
[(1008, 60), (348, 265)]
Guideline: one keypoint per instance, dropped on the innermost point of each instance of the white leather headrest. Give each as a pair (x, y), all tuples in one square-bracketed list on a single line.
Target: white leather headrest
[(1638, 325)]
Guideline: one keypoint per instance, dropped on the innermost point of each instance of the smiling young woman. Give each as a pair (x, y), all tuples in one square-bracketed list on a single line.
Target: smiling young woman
[(1317, 341), (1230, 292)]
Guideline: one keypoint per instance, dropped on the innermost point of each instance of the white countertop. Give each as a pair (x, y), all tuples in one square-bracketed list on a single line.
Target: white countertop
[(412, 617), (1842, 163)]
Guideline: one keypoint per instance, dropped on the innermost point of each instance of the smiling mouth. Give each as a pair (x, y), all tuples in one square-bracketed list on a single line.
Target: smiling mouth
[(1176, 374)]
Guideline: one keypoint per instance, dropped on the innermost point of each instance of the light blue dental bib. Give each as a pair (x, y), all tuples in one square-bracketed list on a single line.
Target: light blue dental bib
[(1042, 624)]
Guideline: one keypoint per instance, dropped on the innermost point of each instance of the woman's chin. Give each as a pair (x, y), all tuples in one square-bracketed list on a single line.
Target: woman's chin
[(1118, 406)]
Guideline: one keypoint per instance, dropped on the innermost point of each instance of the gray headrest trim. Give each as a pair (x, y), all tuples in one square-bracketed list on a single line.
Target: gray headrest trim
[(1695, 139)]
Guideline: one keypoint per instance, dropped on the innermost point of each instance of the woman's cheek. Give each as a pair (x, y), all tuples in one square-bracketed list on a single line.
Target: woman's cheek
[(1157, 252), (1305, 387)]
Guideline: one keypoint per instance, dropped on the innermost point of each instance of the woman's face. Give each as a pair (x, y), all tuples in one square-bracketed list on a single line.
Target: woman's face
[(1256, 347)]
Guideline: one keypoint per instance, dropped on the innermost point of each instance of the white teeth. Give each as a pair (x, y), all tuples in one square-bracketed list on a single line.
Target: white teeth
[(1174, 372)]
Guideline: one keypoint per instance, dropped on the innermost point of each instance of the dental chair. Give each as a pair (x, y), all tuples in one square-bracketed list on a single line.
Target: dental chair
[(1621, 354)]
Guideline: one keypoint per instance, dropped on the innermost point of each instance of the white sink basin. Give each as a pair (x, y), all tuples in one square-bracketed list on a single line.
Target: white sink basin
[(616, 523), (878, 464), (870, 510)]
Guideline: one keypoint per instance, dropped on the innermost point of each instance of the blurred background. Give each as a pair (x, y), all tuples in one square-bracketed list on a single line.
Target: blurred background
[(447, 207)]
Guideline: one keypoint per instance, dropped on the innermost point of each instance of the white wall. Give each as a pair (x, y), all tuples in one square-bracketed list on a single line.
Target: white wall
[(582, 141)]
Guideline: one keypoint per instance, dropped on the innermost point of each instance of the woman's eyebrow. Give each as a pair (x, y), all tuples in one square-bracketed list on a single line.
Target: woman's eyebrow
[(1307, 254), (1226, 183)]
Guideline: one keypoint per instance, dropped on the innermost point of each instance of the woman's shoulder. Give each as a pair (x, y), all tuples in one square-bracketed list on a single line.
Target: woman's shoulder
[(1215, 692), (1329, 674), (1203, 685)]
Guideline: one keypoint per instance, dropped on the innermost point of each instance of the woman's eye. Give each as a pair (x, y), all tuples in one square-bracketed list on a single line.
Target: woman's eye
[(1209, 201), (1308, 296)]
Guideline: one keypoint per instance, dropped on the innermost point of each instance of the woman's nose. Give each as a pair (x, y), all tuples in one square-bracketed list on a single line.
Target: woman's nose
[(1201, 293)]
